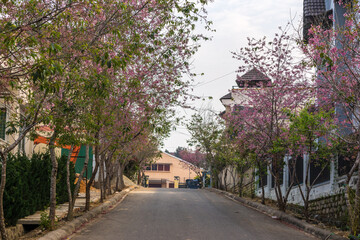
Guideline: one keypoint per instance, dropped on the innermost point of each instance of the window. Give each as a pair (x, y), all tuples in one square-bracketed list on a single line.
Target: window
[(153, 167), (262, 173), (2, 123), (148, 168), (279, 173), (159, 167), (315, 170), (299, 169), (346, 159), (263, 180)]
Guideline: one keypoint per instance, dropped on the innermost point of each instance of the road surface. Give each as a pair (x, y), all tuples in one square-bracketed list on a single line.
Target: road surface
[(185, 214)]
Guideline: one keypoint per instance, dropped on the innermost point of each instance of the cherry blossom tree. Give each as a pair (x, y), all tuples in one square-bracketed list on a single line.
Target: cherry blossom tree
[(195, 157), (131, 54), (262, 117), (309, 134), (335, 54)]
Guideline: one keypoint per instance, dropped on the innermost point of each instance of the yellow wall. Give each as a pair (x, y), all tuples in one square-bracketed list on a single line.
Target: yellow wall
[(178, 167)]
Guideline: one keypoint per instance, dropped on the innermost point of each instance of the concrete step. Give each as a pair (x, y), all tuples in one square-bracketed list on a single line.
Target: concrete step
[(61, 210)]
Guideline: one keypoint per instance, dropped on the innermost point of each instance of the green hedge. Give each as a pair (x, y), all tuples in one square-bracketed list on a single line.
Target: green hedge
[(27, 187)]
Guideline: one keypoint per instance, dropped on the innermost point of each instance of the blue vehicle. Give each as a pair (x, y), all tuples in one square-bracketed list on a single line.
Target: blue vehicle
[(192, 183)]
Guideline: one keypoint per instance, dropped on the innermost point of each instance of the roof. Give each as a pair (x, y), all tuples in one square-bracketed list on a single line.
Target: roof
[(181, 160), (227, 96), (253, 78), (313, 7), (253, 74)]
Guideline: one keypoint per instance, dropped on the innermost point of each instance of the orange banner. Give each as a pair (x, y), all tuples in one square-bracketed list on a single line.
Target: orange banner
[(74, 154)]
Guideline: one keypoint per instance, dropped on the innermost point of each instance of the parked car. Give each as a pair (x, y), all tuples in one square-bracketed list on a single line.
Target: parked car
[(193, 183)]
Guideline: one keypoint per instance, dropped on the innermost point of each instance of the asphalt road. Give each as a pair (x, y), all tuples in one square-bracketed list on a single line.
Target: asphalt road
[(185, 214)]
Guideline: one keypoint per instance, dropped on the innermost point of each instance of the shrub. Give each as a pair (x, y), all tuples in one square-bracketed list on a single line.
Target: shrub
[(27, 187)]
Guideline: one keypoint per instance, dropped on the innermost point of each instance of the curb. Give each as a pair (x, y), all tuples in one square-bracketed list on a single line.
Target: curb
[(304, 226), (72, 226)]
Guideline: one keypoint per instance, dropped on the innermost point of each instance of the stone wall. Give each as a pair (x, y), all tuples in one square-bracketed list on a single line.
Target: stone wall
[(230, 176), (331, 210)]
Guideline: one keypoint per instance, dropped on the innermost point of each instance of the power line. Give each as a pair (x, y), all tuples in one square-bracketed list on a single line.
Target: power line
[(181, 127), (213, 80), (183, 133)]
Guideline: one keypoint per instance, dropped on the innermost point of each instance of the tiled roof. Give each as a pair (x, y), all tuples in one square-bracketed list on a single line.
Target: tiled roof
[(314, 7), (315, 14), (227, 96), (180, 159), (254, 76)]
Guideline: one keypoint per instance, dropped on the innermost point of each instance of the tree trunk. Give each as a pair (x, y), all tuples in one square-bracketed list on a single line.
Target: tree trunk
[(252, 185), (2, 189), (240, 185), (217, 179), (225, 177), (357, 205), (101, 179), (281, 200), (77, 187), (262, 194), (276, 171), (104, 179), (306, 210), (234, 176), (54, 170), (306, 202), (121, 177), (353, 215), (262, 183), (139, 176), (87, 204), (211, 177), (117, 177), (68, 181), (108, 176)]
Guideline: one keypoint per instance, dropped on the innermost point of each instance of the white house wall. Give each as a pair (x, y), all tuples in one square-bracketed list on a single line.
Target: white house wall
[(331, 187)]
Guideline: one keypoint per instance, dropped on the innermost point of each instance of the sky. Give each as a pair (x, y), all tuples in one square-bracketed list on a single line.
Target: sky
[(234, 21)]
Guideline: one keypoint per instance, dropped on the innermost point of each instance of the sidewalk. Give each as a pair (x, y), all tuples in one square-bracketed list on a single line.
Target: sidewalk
[(62, 209), (18, 231), (70, 227), (276, 214)]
